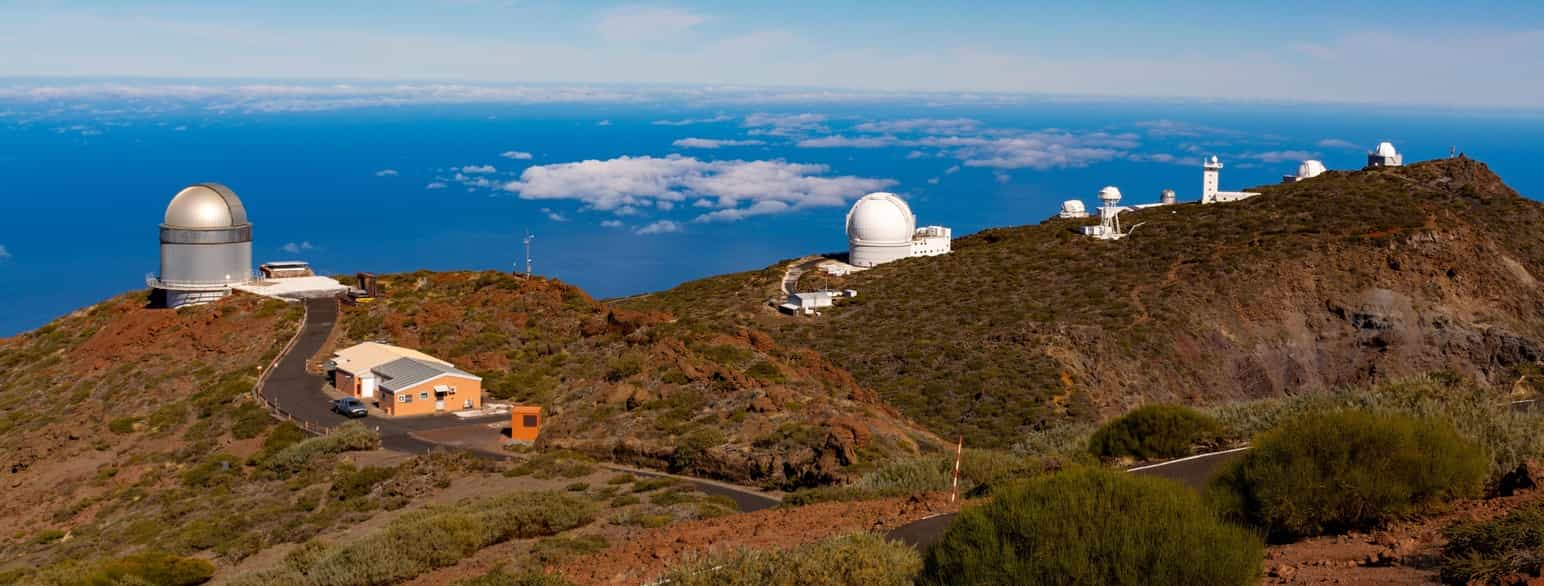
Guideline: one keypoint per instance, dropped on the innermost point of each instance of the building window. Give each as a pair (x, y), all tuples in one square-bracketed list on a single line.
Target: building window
[(405, 398), (529, 421), (424, 396), (452, 390)]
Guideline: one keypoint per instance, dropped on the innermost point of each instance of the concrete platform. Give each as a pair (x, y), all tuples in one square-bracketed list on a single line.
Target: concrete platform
[(295, 288)]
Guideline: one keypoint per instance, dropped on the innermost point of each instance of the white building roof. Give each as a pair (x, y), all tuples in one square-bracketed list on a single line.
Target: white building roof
[(362, 358)]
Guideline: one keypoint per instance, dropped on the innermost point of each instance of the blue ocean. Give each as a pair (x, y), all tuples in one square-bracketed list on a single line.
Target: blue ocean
[(390, 188)]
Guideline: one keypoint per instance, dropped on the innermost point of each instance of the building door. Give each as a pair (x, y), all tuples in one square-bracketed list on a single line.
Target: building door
[(439, 402), (367, 387)]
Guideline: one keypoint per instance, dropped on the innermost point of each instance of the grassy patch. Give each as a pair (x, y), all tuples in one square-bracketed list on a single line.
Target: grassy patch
[(1489, 552), (861, 559)]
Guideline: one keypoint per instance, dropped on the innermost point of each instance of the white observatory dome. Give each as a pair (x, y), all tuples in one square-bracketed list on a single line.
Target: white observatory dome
[(206, 205), (1109, 194), (1309, 169), (880, 218), (1386, 149), (1073, 207)]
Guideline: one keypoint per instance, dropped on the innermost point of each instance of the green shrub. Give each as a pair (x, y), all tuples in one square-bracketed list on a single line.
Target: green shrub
[(766, 372), (249, 421), (1153, 431), (980, 472), (144, 568), (350, 483), (1341, 470), (1093, 526), (122, 425), (499, 577), (861, 559), (214, 471), (1487, 552), (351, 436)]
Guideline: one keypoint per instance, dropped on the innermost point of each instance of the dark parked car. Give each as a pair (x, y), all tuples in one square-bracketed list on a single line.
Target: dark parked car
[(349, 407)]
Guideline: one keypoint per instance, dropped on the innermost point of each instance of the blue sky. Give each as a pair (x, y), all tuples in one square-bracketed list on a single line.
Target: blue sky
[(1467, 55)]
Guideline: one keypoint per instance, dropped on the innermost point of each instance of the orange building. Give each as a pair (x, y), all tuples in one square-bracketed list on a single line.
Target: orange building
[(525, 423), (410, 386), (354, 366)]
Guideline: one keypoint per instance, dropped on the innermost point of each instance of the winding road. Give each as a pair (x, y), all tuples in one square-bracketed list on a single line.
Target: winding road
[(299, 393)]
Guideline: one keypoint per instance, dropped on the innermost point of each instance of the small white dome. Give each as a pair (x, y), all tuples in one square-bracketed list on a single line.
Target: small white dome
[(1073, 206), (881, 217), (1386, 149), (1212, 161), (1309, 169), (1109, 194), (205, 205)]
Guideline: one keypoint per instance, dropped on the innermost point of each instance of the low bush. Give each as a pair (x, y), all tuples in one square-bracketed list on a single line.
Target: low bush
[(157, 568), (1092, 526), (500, 577), (122, 425), (421, 541), (1488, 552), (1154, 431), (1341, 470), (349, 482), (351, 436), (861, 559)]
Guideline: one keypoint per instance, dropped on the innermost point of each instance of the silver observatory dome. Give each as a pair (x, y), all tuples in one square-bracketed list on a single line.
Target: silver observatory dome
[(206, 245), (206, 205)]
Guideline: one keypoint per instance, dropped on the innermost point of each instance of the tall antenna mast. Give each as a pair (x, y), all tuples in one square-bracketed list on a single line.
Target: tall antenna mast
[(528, 238)]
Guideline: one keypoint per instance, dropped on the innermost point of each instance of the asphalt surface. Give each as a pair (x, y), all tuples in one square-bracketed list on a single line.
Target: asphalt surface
[(300, 394), (1194, 472)]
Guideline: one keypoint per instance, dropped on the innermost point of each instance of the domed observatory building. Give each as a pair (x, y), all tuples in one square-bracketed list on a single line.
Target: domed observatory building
[(206, 247), (1308, 170), (1385, 156), (881, 228)]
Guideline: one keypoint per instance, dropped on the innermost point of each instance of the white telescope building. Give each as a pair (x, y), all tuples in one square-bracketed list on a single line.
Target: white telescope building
[(881, 228), (206, 247)]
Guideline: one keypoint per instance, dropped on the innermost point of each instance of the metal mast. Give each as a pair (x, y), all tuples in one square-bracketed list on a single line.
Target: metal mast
[(528, 238)]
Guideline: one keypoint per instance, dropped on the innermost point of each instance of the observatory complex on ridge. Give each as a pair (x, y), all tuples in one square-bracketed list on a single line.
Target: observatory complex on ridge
[(1109, 227)]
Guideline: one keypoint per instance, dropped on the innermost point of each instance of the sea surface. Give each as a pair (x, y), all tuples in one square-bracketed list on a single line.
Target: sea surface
[(83, 186)]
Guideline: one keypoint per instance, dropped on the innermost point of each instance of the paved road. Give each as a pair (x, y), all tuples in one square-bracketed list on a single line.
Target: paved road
[(1194, 471), (299, 393)]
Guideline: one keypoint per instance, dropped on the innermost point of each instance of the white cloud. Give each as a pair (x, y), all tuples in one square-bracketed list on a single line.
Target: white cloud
[(713, 143), (784, 124), (1037, 150), (759, 208), (611, 223), (386, 173), (691, 121), (1001, 176), (435, 185), (659, 227), (920, 125), (516, 155), (1166, 128), (296, 247), (1336, 143), (933, 180), (915, 155), (645, 23), (554, 216), (1281, 156), (952, 170), (623, 184), (478, 169), (1165, 158), (839, 141), (5, 254), (603, 123)]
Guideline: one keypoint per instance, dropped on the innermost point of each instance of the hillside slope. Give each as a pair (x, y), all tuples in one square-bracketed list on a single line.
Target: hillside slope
[(1348, 278), (638, 387)]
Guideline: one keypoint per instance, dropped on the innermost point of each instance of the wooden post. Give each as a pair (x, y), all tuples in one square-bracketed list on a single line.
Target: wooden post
[(959, 450)]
